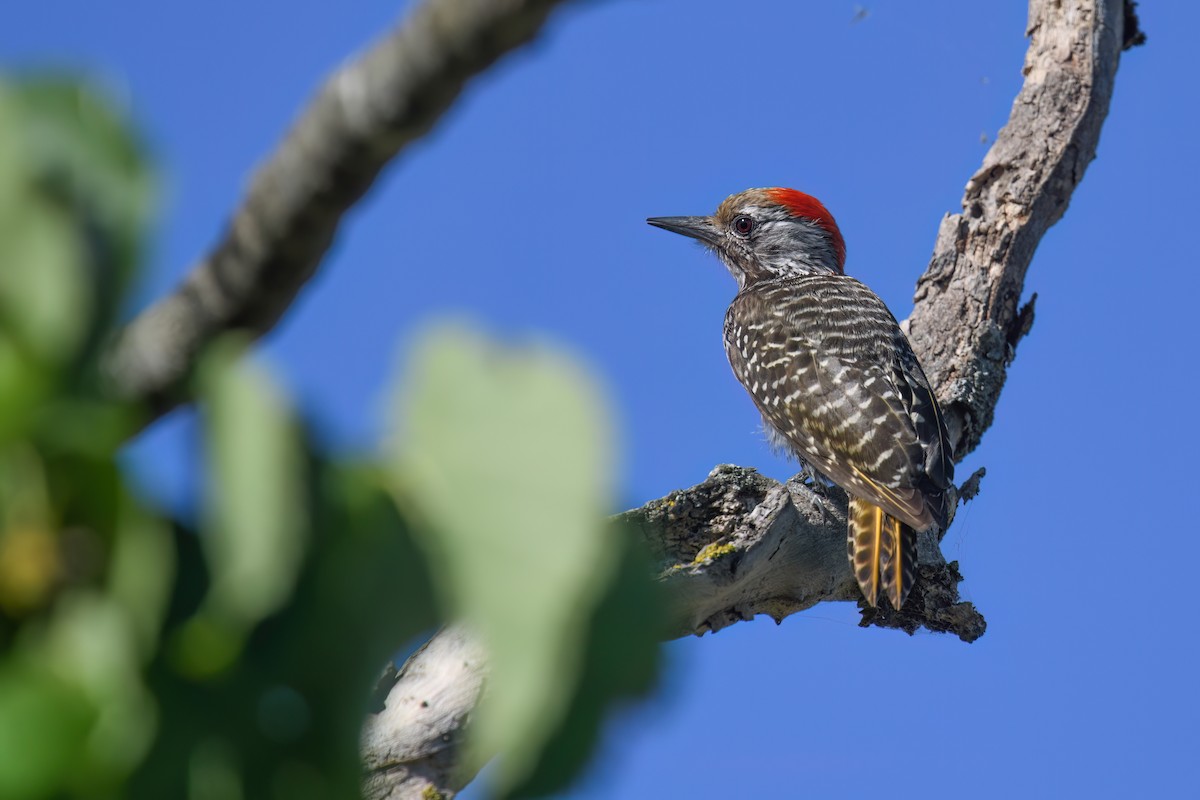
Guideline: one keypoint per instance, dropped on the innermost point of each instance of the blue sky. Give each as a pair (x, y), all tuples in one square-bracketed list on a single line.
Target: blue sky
[(524, 210)]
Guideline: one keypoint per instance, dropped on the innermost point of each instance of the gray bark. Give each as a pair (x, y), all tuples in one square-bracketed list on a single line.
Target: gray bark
[(740, 544), (966, 322), (412, 742), (365, 114)]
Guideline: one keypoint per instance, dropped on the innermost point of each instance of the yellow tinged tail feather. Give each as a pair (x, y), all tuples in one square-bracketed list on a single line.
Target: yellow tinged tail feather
[(883, 553), (863, 542)]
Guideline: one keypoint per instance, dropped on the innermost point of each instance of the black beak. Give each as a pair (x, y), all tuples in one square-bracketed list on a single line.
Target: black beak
[(700, 228)]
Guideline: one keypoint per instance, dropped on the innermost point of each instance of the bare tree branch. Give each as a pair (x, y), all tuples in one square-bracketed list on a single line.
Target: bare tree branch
[(740, 544), (737, 545), (966, 322), (363, 116), (410, 747)]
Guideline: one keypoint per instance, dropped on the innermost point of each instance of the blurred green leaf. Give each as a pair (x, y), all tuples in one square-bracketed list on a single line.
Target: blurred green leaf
[(75, 195), (289, 703), (91, 640), (621, 664), (214, 772), (42, 287), (206, 646), (43, 725), (141, 570), (43, 293), (85, 426), (24, 383), (257, 532), (85, 156), (507, 455)]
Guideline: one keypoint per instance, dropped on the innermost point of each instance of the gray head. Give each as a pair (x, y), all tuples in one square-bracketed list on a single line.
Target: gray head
[(767, 233)]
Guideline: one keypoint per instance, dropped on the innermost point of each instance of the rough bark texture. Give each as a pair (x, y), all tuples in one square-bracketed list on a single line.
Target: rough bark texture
[(363, 116), (966, 321), (740, 544)]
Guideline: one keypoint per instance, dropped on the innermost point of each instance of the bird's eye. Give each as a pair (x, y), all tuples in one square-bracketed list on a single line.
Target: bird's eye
[(742, 225)]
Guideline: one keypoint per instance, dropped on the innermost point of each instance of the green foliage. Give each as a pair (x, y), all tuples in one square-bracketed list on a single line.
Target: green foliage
[(619, 663), (142, 658), (83, 566), (506, 455), (256, 532)]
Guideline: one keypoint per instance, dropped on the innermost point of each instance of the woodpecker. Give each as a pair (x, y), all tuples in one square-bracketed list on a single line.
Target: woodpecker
[(835, 379)]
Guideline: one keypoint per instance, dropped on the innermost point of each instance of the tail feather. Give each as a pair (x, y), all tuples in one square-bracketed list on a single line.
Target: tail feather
[(898, 560), (883, 553), (864, 540)]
